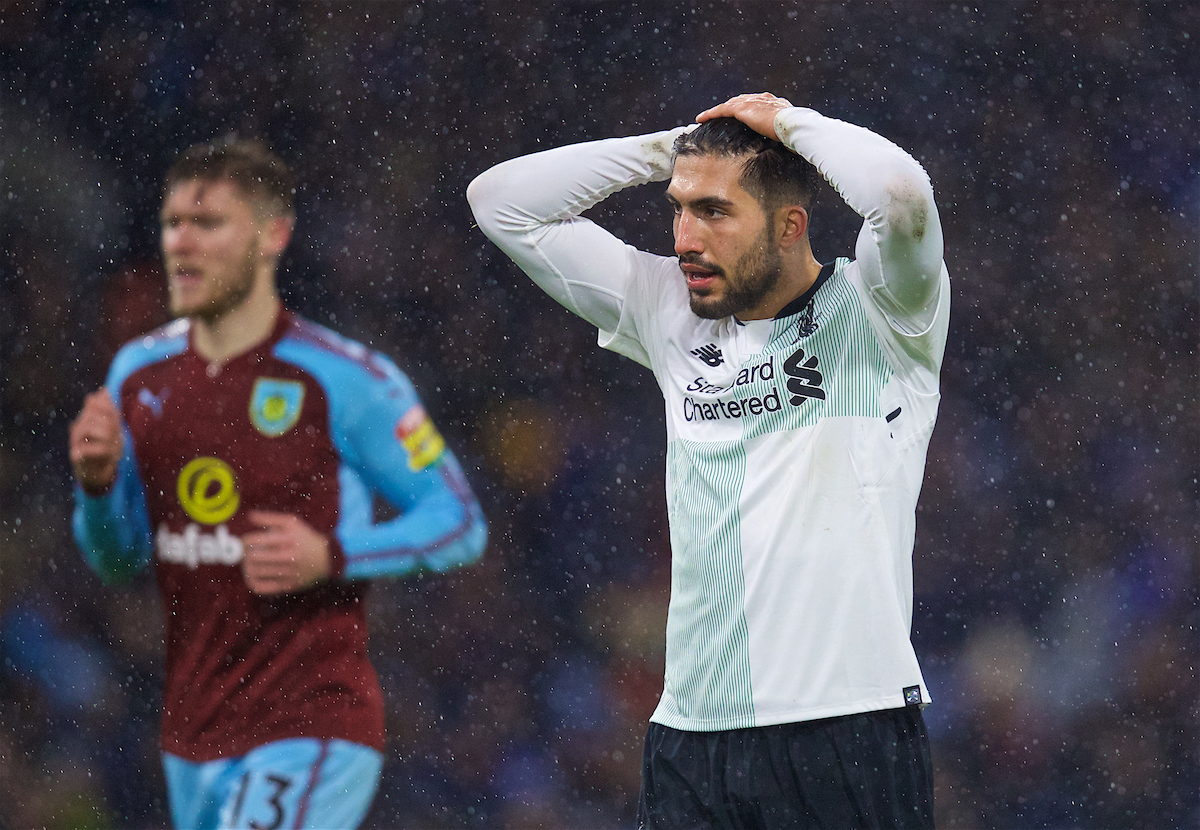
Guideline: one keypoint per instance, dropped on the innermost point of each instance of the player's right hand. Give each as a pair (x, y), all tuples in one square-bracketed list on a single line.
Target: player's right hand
[(756, 111), (96, 442)]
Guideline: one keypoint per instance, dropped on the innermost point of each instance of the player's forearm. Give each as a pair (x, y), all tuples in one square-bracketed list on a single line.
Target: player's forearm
[(112, 533), (530, 208), (517, 195), (444, 530), (887, 187)]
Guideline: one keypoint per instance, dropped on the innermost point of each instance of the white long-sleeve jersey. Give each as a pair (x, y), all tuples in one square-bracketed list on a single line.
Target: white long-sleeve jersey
[(795, 446)]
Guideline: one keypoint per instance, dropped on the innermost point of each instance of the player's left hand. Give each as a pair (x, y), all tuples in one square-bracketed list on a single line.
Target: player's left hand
[(285, 554), (756, 111)]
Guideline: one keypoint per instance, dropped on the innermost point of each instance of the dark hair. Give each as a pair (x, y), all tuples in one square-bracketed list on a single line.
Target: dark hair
[(772, 173), (249, 163)]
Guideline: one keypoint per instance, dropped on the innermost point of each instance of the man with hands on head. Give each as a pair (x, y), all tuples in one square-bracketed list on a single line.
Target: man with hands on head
[(241, 448), (800, 399)]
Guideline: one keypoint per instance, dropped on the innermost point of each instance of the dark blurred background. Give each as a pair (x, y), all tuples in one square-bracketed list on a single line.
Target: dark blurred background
[(1056, 560)]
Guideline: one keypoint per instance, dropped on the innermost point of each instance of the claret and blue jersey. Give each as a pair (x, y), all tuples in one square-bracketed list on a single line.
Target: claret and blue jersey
[(307, 423)]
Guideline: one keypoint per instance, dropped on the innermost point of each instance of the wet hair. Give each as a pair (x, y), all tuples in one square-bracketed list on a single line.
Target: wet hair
[(249, 163), (772, 173)]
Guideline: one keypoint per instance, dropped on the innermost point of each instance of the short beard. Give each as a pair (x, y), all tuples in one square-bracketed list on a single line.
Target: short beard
[(757, 273), (231, 298)]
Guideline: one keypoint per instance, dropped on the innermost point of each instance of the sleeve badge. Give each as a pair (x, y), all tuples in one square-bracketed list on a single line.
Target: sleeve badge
[(420, 438)]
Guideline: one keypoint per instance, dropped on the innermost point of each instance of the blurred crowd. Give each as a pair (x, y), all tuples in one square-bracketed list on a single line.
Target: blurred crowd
[(1056, 564)]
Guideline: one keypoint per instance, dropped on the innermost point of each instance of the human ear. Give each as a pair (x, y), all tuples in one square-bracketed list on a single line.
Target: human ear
[(276, 234), (792, 224)]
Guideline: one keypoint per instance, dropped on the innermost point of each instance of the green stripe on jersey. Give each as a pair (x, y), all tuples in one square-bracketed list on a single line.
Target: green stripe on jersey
[(708, 657), (852, 364)]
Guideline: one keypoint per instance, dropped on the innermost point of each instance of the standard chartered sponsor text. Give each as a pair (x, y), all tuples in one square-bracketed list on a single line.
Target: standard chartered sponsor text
[(694, 410), (194, 547), (711, 410)]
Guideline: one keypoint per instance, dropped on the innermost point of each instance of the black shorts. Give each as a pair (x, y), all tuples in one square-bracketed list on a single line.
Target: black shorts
[(859, 771)]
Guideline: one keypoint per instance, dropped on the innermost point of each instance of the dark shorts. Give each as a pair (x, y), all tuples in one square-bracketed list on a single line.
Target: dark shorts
[(859, 771)]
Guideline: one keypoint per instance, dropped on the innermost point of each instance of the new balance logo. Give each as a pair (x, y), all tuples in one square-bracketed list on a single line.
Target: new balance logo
[(710, 353), (804, 381)]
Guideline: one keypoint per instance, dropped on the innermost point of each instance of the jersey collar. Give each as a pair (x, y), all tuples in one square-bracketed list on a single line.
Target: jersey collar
[(797, 305), (283, 322)]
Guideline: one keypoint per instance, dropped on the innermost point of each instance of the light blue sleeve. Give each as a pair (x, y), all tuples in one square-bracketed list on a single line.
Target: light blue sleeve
[(113, 530), (389, 448)]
